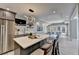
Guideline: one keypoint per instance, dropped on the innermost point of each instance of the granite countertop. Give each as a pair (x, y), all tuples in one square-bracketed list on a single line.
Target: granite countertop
[(26, 42)]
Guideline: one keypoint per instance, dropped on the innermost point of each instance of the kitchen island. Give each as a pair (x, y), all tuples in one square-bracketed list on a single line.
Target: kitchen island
[(28, 45)]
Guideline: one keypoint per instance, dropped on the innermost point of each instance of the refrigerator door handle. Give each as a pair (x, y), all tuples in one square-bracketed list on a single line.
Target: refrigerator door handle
[(1, 32), (1, 38), (4, 39)]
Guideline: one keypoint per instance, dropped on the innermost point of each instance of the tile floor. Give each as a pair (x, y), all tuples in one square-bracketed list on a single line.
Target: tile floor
[(68, 47)]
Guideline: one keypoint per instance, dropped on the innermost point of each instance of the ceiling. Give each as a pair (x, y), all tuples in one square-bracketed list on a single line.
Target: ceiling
[(42, 10)]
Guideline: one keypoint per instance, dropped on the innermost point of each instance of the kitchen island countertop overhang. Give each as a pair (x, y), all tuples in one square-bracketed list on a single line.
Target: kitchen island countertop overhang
[(26, 42)]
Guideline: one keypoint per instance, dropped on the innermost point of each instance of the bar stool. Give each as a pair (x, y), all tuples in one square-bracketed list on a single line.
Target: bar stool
[(38, 52), (55, 50), (50, 41), (46, 48)]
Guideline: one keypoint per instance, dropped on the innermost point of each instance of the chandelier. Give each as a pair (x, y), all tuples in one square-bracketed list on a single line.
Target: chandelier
[(30, 21)]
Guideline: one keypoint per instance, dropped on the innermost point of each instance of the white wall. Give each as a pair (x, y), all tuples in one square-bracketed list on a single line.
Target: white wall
[(21, 28), (78, 27), (25, 30), (73, 24)]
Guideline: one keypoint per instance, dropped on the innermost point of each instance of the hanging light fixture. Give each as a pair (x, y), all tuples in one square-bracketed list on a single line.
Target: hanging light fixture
[(30, 21), (31, 10)]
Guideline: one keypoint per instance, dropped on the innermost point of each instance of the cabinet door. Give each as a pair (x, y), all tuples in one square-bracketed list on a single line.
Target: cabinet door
[(10, 16), (10, 33), (2, 14), (1, 36)]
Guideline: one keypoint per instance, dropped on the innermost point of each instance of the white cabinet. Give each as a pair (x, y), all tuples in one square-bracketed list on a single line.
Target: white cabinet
[(2, 14), (10, 16), (6, 14)]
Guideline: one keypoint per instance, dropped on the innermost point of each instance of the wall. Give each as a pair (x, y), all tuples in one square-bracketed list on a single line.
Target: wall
[(73, 29), (78, 34), (25, 30), (73, 24), (21, 30), (78, 27)]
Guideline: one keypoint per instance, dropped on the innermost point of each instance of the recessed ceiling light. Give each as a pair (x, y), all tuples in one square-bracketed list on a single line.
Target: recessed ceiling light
[(54, 12), (8, 9)]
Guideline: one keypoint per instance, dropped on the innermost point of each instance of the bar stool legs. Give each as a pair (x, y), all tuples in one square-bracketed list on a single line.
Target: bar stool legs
[(55, 50)]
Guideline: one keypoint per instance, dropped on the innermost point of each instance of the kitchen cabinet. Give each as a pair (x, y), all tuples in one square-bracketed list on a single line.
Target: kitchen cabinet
[(10, 16), (6, 14), (2, 14)]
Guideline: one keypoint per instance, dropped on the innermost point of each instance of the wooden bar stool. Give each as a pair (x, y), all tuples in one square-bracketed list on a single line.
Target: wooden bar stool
[(46, 48), (49, 41), (55, 50), (38, 52)]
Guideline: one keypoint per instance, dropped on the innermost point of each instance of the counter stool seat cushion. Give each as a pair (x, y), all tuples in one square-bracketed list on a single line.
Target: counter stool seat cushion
[(38, 52), (50, 42), (46, 46)]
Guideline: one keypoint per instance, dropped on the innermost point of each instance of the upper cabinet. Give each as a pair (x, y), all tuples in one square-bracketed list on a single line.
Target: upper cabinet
[(10, 16), (6, 14), (2, 14)]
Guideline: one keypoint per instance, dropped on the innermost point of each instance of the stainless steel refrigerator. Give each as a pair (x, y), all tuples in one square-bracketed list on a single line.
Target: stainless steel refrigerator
[(3, 36), (6, 36), (7, 30)]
